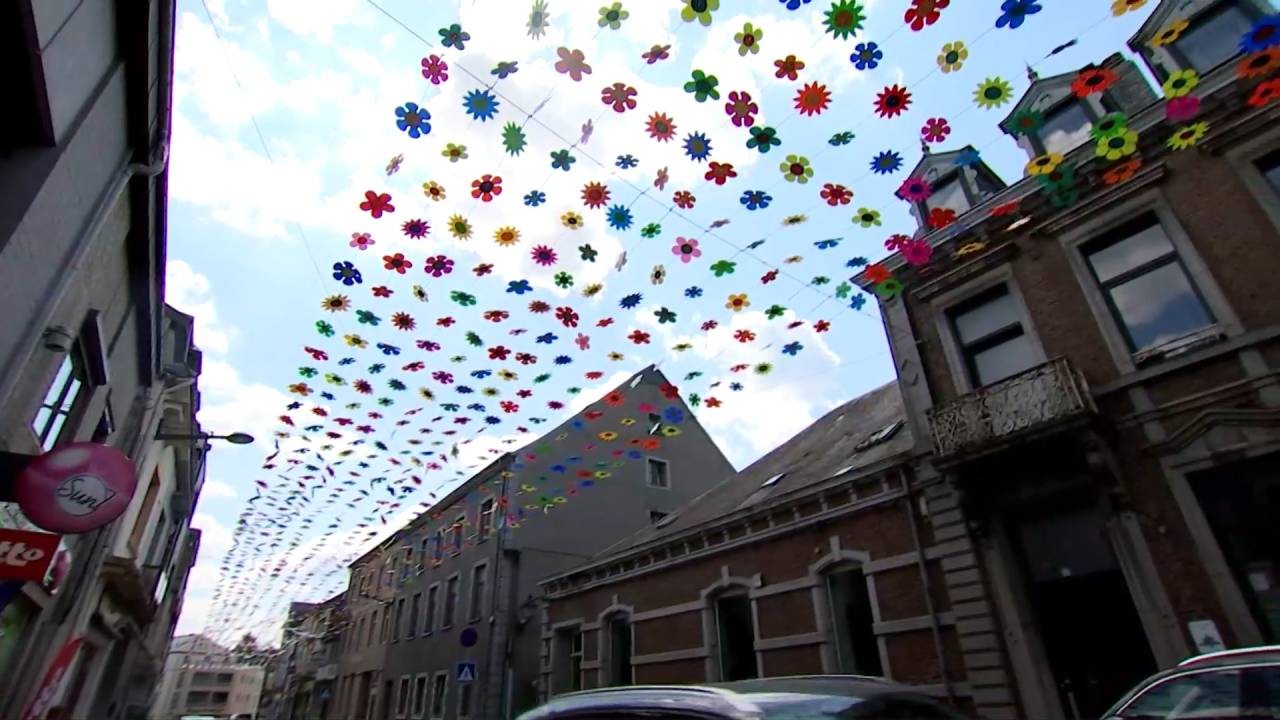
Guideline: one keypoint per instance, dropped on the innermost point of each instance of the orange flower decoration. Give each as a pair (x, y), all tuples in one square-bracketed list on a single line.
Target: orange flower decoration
[(812, 99), (1259, 64), (1122, 171), (876, 274), (1093, 80)]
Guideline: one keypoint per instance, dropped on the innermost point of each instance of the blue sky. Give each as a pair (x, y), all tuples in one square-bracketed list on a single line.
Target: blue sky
[(260, 214)]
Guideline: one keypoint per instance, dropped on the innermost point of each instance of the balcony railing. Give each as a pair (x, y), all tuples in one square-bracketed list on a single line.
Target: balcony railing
[(992, 418)]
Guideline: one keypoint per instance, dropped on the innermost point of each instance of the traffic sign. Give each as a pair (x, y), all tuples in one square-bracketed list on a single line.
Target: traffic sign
[(465, 673)]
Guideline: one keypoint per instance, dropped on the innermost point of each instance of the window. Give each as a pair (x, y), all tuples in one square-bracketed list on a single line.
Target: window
[(439, 685), (219, 698), (479, 586), (437, 551), (736, 636), (657, 473), (424, 552), (773, 480), (402, 697), (1145, 285), (464, 700), (419, 696), (1214, 37), (988, 329), (948, 193), (415, 609), (398, 628), (140, 523), (656, 517), (1269, 166), (450, 602), (852, 621), (655, 423), (429, 620), (59, 400), (407, 566), (1210, 694), (566, 660), (486, 519), (1065, 127), (619, 670), (455, 540), (224, 678), (373, 627)]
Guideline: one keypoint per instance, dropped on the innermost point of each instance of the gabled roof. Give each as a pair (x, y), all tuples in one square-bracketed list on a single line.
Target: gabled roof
[(842, 442)]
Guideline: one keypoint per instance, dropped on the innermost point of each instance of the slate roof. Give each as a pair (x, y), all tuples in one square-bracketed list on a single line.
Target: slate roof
[(838, 443)]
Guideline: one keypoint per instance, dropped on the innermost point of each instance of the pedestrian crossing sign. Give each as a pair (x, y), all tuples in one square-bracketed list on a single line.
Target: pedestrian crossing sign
[(466, 672)]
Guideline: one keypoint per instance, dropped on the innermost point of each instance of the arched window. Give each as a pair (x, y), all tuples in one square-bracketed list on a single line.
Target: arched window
[(617, 630), (852, 622), (735, 635)]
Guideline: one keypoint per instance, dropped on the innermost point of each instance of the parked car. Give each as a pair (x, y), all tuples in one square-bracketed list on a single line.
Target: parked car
[(1242, 683), (812, 697)]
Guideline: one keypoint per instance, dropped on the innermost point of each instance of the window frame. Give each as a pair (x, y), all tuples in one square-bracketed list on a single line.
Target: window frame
[(652, 461), (476, 601), (419, 702), (56, 402), (1179, 57), (404, 696), (957, 176), (484, 519), (1036, 138), (994, 339), (469, 689), (434, 712), (1245, 158), (945, 303), (448, 615), (415, 609), (431, 608)]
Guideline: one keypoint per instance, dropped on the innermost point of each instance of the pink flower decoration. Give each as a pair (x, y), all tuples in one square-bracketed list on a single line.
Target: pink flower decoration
[(362, 240), (621, 96), (435, 69), (660, 182), (686, 249), (1183, 108), (572, 63), (582, 341), (914, 190), (543, 255), (656, 53), (438, 266), (897, 242), (935, 130), (917, 252), (741, 109)]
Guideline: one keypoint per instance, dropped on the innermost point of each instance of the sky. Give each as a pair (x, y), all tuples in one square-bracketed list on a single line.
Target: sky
[(284, 116)]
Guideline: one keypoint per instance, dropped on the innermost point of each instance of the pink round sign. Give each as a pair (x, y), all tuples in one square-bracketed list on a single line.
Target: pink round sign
[(76, 488)]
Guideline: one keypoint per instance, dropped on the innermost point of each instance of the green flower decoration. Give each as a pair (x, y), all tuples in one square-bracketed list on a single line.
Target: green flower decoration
[(474, 339), (841, 138), (1063, 199), (458, 359), (652, 230), (1061, 178), (699, 10), (763, 138), (843, 290), (774, 311), (695, 400), (796, 169), (664, 316), (395, 384), (992, 93), (573, 390), (820, 280), (763, 368), (703, 86), (1110, 126), (564, 280), (454, 152), (1120, 145), (307, 372), (463, 299), (844, 19), (748, 40), (723, 267), (611, 16), (386, 402), (334, 379), (367, 318), (377, 368), (889, 289), (538, 379), (324, 328), (1026, 122), (867, 218), (513, 138), (588, 253)]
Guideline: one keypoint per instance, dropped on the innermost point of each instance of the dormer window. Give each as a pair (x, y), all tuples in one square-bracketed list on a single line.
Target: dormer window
[(1212, 38), (949, 193), (1200, 35), (1066, 127)]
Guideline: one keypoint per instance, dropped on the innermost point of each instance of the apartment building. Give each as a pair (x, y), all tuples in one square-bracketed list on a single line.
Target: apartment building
[(203, 678)]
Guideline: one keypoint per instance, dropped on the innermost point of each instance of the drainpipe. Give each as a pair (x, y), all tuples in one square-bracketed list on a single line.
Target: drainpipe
[(934, 625), (499, 568)]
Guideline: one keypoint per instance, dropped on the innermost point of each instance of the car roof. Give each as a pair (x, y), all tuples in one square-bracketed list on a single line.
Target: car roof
[(838, 685), (1239, 657)]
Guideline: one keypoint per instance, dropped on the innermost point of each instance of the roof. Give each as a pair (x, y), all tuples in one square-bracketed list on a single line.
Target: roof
[(843, 441)]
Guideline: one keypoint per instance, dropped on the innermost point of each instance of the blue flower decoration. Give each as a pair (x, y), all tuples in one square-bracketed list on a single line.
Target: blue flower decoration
[(377, 368), (563, 360), (476, 407), (735, 386), (1014, 12), (693, 292), (481, 374), (886, 162), (866, 56), (968, 157), (562, 160), (347, 361), (619, 217), (792, 348), (575, 459), (1264, 34), (697, 146), (326, 395), (559, 469), (535, 198), (492, 420), (577, 424), (505, 68), (519, 287), (465, 389), (756, 199), (673, 415), (347, 273), (630, 301), (413, 120), (827, 244), (454, 36), (794, 4), (856, 262), (547, 339), (626, 162), (480, 104), (858, 301), (587, 483)]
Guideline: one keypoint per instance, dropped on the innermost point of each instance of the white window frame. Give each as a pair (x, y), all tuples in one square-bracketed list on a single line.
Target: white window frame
[(1244, 158), (61, 399), (446, 621), (421, 703), (438, 712), (1198, 274), (484, 521), (471, 696), (430, 610), (480, 569), (946, 302), (404, 696), (666, 464)]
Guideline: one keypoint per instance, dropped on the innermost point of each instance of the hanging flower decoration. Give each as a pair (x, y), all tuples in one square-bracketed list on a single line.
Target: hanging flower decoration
[(1188, 135), (454, 153), (1093, 80), (867, 218), (812, 99), (686, 250), (952, 56), (886, 162), (844, 19), (454, 36), (788, 67), (914, 189), (1026, 122), (1120, 7), (699, 10), (620, 96), (435, 69), (377, 203), (697, 146), (741, 109), (923, 13), (362, 241), (595, 195), (543, 255), (755, 199), (1044, 164), (738, 303), (481, 105), (1122, 171), (1182, 109), (611, 16), (992, 93), (892, 101), (702, 86), (487, 187), (438, 266), (684, 199), (748, 39), (763, 139), (1264, 34), (796, 169), (1265, 93), (506, 236), (416, 229), (562, 160), (347, 273), (866, 56), (1181, 83), (1120, 145), (836, 194), (719, 172), (459, 227), (413, 120), (935, 130), (397, 263), (619, 217), (1169, 34), (940, 218), (1259, 64), (572, 63), (660, 127), (1014, 12)]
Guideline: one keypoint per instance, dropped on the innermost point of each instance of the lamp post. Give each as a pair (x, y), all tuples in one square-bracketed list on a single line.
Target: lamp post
[(235, 438)]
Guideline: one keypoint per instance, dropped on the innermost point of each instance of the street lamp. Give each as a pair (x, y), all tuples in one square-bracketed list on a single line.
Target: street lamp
[(235, 438)]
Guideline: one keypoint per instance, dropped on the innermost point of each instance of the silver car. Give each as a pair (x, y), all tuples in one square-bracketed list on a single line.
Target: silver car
[(812, 697), (1224, 685)]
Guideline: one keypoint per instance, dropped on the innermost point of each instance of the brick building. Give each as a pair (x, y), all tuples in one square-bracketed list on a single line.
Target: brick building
[(1088, 381)]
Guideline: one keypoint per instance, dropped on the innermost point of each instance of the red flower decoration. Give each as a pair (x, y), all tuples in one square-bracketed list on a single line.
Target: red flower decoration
[(744, 336), (935, 130), (397, 262), (941, 217), (377, 203), (438, 266), (487, 187), (1093, 80), (812, 99), (768, 277), (741, 109), (445, 321), (836, 194), (543, 255), (896, 242), (712, 402), (669, 391), (525, 358), (508, 406), (1008, 208), (638, 337), (620, 95), (914, 190), (482, 269), (719, 172), (821, 326), (684, 199), (917, 252), (595, 195), (892, 101), (788, 67), (615, 398), (496, 316), (660, 127), (537, 307), (498, 352), (382, 291), (710, 325), (416, 228), (924, 12), (567, 316), (876, 274), (1265, 93), (604, 322)]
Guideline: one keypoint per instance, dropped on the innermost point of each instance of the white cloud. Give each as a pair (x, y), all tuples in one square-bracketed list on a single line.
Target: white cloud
[(217, 489), (312, 18), (189, 292)]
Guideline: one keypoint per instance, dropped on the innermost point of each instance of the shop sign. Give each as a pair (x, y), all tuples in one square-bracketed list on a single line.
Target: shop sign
[(53, 686), (75, 488), (26, 555)]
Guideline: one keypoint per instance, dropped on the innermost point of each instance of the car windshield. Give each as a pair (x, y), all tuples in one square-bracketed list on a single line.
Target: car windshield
[(797, 706)]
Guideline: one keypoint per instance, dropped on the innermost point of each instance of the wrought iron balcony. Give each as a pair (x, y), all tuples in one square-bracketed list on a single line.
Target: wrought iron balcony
[(1043, 399)]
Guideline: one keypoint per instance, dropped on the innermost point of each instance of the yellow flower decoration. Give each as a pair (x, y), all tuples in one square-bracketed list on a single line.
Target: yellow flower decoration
[(571, 220), (682, 347), (336, 303), (738, 303), (1169, 34), (506, 236), (460, 227), (433, 190), (1188, 135), (454, 152), (992, 93), (354, 340), (971, 248), (1181, 83), (748, 40), (952, 56), (627, 422), (602, 475), (426, 394), (1118, 146), (1044, 164), (489, 392), (793, 259), (670, 430), (507, 375), (562, 436), (419, 293), (592, 290), (702, 13), (792, 220), (1120, 7), (615, 356), (608, 435)]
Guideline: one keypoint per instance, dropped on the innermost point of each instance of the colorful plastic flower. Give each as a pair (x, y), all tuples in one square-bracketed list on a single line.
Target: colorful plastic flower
[(595, 195), (480, 104), (738, 302), (454, 152), (952, 56), (867, 218), (1118, 146), (844, 19), (1109, 125), (1044, 164), (543, 255), (1182, 109), (892, 101), (914, 189), (866, 56), (693, 292), (435, 69), (844, 137), (923, 13), (1264, 34), (651, 230), (626, 162), (1014, 12), (413, 120), (720, 268), (1188, 135), (656, 53), (992, 93), (940, 218), (741, 109), (836, 194), (1259, 64), (336, 303), (657, 275), (684, 199), (377, 203), (1265, 93), (460, 227), (755, 199), (788, 67), (748, 39), (506, 236), (719, 173), (611, 16), (562, 160), (660, 127), (347, 273), (886, 162), (1093, 80), (763, 138), (438, 266), (699, 10), (619, 217), (796, 169), (812, 99), (486, 187), (362, 241), (1169, 34), (1026, 122), (534, 198), (702, 86), (1120, 7), (697, 146), (1181, 82), (620, 96), (935, 130), (572, 63), (686, 249), (794, 4), (454, 36), (1122, 171)]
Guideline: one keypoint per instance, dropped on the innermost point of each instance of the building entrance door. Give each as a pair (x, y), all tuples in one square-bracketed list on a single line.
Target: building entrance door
[(1092, 636)]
